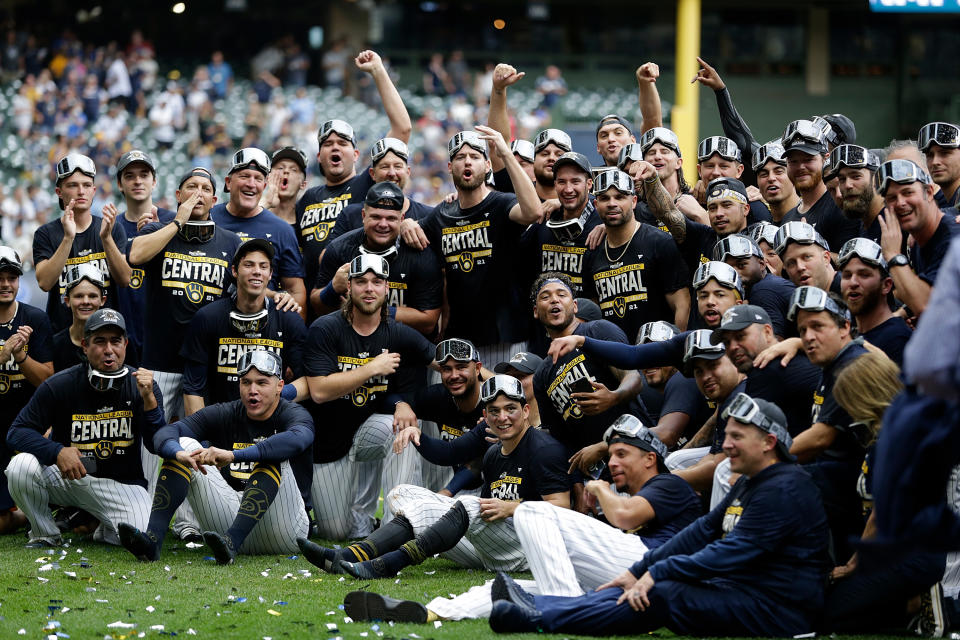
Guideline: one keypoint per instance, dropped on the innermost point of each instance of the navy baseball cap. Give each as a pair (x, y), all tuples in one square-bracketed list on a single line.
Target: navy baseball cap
[(132, 156), (737, 317), (523, 361), (385, 195), (102, 318), (588, 310), (575, 159), (612, 118), (290, 153), (254, 244)]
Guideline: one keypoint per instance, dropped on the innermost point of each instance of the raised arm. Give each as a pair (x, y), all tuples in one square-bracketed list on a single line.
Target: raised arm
[(48, 271), (498, 117), (734, 126), (400, 125), (527, 209), (660, 202), (120, 270), (147, 245), (648, 96)]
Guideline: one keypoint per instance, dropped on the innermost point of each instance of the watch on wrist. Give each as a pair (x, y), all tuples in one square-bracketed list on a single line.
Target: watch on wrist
[(178, 224), (898, 260)]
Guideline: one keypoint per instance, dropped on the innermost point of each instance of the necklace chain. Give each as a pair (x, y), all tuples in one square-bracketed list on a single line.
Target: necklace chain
[(606, 245)]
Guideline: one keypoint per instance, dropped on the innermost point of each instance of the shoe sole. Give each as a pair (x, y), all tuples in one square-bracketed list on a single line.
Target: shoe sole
[(936, 611), (218, 546), (365, 605)]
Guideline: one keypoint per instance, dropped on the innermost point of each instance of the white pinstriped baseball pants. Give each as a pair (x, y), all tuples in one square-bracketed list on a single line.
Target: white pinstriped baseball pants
[(216, 504), (34, 486)]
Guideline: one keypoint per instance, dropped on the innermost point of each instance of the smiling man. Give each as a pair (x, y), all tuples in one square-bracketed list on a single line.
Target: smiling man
[(242, 481), (806, 257), (940, 144), (85, 294), (773, 180)]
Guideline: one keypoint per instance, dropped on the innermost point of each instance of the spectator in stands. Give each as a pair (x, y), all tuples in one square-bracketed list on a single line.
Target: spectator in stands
[(436, 80), (334, 63), (551, 86), (297, 65), (117, 81), (221, 76)]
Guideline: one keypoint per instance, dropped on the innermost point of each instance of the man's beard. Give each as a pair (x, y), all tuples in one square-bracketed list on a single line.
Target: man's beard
[(543, 178), (475, 182), (858, 209)]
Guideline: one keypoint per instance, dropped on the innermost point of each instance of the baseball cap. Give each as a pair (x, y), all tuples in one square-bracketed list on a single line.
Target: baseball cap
[(135, 155), (501, 384), (200, 172), (372, 262), (102, 318), (588, 310), (805, 136), (459, 349), (339, 127), (575, 159), (266, 362), (383, 146), (723, 188), (764, 415), (385, 195), (290, 153), (250, 157), (254, 244), (739, 317), (699, 345), (612, 118), (842, 128), (628, 429), (10, 260), (523, 361)]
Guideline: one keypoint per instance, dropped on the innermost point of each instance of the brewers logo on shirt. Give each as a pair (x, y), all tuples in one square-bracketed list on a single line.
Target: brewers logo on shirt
[(9, 372), (318, 219), (368, 390), (506, 488), (620, 289), (106, 433), (463, 247), (193, 275), (731, 517), (560, 389), (136, 278)]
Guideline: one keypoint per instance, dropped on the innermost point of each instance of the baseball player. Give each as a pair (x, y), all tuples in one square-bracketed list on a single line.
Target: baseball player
[(720, 157), (85, 294), (25, 362), (361, 363), (286, 182), (242, 485), (98, 413), (570, 552), (527, 464), (805, 256), (727, 572), (78, 236), (244, 216), (320, 206), (136, 180)]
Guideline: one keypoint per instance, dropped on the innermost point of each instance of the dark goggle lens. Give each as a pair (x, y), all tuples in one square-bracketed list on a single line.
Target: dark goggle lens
[(724, 147), (899, 171), (459, 350), (613, 179), (766, 153), (942, 134)]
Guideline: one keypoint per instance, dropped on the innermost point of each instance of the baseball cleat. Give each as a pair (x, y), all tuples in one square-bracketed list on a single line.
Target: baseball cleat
[(322, 557), (139, 543), (369, 570), (506, 588), (510, 617), (221, 546), (44, 542), (366, 605)]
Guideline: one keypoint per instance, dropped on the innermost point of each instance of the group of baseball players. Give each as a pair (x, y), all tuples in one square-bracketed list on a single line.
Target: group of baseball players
[(662, 400)]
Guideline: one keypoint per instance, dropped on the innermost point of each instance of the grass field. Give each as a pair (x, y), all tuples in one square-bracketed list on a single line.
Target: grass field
[(79, 590)]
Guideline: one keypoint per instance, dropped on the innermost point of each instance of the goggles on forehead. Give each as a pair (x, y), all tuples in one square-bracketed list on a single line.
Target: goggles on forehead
[(745, 409), (723, 147), (814, 299), (249, 322), (942, 134), (766, 232), (502, 384), (657, 331), (772, 150), (852, 156), (470, 138), (248, 156), (554, 136), (736, 246), (799, 232), (197, 230), (106, 380), (629, 427), (385, 145), (339, 127), (900, 171), (632, 152), (458, 349), (266, 362), (865, 249), (75, 162), (613, 179), (662, 135), (698, 344), (804, 130), (369, 262), (83, 271), (523, 148), (719, 271)]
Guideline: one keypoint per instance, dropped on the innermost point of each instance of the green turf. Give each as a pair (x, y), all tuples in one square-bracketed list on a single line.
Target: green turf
[(93, 585)]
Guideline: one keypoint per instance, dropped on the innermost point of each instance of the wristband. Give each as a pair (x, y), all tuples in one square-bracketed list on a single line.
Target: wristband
[(329, 296), (178, 224)]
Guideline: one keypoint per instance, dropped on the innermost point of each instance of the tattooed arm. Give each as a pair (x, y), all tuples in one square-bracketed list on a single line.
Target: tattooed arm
[(660, 202)]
